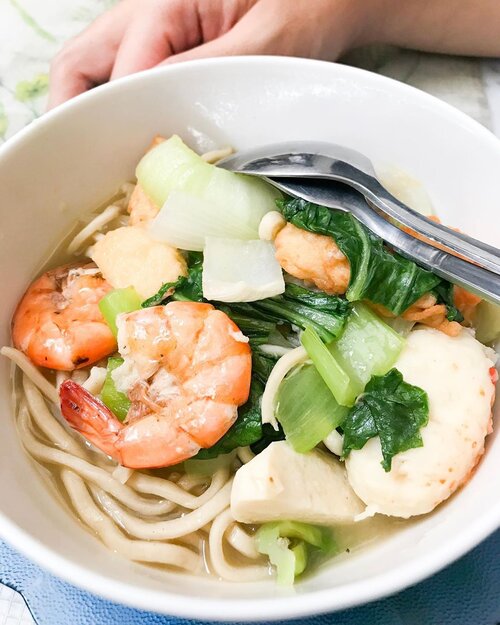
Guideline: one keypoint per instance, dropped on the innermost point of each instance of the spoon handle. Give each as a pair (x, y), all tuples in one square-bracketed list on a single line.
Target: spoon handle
[(472, 277)]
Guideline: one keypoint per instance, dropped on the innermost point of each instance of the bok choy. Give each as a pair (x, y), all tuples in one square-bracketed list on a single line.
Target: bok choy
[(289, 545), (306, 409), (391, 409), (116, 302), (200, 199), (332, 373), (367, 347), (240, 271), (114, 399), (487, 322), (326, 314)]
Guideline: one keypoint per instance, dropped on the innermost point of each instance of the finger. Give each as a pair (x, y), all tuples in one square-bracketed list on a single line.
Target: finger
[(144, 45), (223, 46), (247, 36), (268, 28), (156, 35), (88, 59), (226, 45)]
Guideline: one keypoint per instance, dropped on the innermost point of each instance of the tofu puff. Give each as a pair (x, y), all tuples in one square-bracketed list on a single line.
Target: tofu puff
[(456, 372), (129, 256)]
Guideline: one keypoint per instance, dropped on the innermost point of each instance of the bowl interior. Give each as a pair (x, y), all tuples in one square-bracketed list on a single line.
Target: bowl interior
[(76, 157)]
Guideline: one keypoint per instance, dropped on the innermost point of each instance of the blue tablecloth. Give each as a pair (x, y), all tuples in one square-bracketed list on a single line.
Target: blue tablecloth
[(467, 593)]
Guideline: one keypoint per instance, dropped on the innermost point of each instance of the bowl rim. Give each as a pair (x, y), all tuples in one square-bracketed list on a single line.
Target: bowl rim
[(294, 606)]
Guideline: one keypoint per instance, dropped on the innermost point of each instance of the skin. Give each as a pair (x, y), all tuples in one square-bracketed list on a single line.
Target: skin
[(136, 35)]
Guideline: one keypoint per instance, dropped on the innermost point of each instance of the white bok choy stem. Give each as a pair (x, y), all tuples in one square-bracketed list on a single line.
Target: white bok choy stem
[(199, 199), (240, 271)]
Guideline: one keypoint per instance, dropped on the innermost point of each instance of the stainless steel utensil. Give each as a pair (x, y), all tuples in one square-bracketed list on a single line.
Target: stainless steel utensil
[(337, 196), (319, 160)]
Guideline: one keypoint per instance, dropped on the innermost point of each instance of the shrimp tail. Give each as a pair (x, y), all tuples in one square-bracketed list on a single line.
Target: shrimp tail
[(90, 417)]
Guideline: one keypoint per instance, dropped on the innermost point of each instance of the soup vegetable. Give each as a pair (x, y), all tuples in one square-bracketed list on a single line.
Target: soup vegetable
[(224, 379)]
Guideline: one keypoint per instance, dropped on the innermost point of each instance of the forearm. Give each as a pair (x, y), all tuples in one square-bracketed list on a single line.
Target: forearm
[(469, 27)]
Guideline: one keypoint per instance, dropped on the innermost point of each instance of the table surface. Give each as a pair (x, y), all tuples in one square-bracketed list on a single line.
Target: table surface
[(31, 32)]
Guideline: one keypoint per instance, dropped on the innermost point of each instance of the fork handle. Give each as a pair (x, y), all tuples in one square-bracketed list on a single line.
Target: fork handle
[(472, 277)]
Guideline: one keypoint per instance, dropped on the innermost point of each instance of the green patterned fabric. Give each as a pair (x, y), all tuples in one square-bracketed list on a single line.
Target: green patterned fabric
[(31, 32)]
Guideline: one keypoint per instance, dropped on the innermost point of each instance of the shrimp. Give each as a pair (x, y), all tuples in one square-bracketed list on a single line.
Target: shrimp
[(426, 311), (58, 324), (186, 370), (459, 377), (313, 258), (465, 301)]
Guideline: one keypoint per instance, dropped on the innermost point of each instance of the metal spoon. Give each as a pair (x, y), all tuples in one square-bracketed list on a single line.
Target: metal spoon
[(319, 160), (337, 196)]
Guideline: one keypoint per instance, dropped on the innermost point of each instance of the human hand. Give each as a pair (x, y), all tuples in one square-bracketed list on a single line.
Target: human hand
[(139, 34)]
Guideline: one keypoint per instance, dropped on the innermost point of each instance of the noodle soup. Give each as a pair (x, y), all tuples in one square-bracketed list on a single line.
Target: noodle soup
[(284, 449)]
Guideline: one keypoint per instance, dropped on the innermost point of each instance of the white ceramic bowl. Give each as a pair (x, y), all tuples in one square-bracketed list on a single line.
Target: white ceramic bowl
[(75, 157)]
